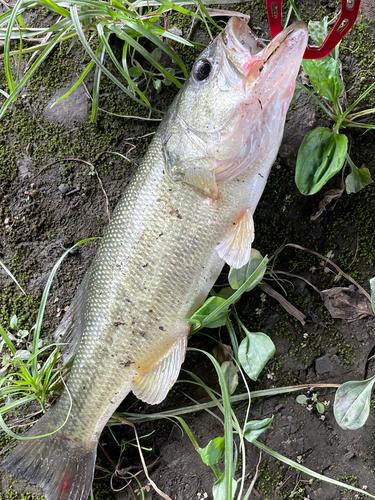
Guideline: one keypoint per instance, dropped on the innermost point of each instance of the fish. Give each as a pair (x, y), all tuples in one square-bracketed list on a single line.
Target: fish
[(187, 211)]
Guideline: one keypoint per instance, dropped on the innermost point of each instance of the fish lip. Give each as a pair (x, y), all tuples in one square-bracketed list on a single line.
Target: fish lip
[(238, 35), (295, 34), (247, 53)]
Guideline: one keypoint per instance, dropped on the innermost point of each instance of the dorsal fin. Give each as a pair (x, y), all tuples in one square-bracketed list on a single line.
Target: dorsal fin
[(70, 329)]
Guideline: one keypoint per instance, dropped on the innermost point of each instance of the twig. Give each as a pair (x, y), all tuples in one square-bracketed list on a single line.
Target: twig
[(290, 308), (299, 277), (105, 195), (161, 493), (349, 278), (35, 118), (251, 487)]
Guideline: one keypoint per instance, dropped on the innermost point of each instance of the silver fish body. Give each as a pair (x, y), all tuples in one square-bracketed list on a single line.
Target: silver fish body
[(187, 211)]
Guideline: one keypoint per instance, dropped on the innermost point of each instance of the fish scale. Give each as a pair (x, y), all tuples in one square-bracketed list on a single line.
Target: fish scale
[(170, 235)]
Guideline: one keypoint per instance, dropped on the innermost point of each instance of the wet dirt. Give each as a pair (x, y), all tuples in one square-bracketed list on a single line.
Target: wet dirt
[(56, 170)]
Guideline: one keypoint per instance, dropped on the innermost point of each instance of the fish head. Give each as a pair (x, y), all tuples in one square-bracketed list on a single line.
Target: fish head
[(230, 114)]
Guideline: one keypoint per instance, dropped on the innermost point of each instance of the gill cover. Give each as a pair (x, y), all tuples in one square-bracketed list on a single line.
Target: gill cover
[(230, 115)]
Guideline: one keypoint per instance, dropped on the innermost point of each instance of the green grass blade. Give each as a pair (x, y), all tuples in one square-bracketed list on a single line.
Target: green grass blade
[(228, 429), (82, 38), (305, 470), (12, 20), (362, 96), (155, 40), (25, 438), (7, 340), (10, 274), (124, 73), (39, 320), (31, 71), (54, 7), (15, 404), (96, 84), (144, 53), (78, 82)]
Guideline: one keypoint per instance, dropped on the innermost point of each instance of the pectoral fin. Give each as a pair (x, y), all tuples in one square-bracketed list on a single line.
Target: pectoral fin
[(153, 386), (236, 247), (203, 180)]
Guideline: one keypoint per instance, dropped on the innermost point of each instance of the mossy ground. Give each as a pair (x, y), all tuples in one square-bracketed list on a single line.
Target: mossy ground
[(39, 227)]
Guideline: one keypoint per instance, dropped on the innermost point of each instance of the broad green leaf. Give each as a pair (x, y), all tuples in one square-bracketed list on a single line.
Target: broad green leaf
[(219, 489), (135, 72), (209, 307), (357, 179), (254, 352), (321, 155), (226, 292), (372, 285), (318, 30), (255, 428), (13, 322), (352, 403), (250, 283), (237, 277), (325, 77), (213, 452), (230, 374)]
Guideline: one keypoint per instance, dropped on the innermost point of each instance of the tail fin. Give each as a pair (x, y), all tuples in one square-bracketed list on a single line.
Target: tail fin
[(63, 470)]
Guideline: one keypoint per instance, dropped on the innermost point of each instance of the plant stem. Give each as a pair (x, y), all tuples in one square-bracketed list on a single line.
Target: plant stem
[(318, 101)]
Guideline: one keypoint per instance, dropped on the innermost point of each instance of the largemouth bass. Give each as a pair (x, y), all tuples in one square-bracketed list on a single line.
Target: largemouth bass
[(188, 210)]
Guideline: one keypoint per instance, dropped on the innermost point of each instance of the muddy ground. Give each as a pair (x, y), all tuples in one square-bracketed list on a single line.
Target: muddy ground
[(51, 197)]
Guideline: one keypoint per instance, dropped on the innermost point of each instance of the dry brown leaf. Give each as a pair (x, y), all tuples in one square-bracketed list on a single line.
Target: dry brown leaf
[(347, 303), (283, 302), (229, 13), (330, 196), (222, 353)]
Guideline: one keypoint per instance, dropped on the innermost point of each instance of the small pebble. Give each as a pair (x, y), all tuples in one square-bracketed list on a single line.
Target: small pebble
[(64, 188)]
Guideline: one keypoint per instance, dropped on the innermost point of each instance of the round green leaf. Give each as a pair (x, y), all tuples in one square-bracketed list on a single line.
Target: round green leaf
[(320, 157), (357, 180), (213, 452), (372, 285), (254, 352), (230, 375), (219, 490), (255, 428), (320, 407), (302, 399), (237, 277), (135, 72), (208, 308), (13, 322), (352, 403)]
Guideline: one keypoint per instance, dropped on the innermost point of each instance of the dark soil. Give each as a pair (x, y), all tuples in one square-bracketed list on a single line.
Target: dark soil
[(51, 197)]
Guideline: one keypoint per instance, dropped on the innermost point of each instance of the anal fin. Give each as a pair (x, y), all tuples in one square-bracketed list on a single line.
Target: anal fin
[(153, 386), (236, 247)]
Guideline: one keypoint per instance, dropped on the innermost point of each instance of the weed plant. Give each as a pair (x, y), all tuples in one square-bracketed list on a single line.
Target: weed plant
[(93, 22)]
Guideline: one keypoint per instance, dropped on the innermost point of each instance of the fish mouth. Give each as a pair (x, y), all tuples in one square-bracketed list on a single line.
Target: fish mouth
[(248, 55)]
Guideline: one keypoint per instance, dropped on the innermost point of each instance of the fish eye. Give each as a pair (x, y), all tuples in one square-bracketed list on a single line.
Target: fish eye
[(202, 70)]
